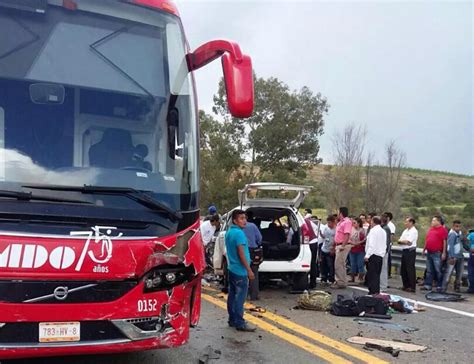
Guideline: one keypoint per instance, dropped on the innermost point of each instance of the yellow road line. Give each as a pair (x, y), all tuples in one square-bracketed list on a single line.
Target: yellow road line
[(292, 339), (347, 349)]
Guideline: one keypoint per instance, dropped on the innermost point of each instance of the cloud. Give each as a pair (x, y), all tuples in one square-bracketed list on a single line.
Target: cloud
[(404, 69)]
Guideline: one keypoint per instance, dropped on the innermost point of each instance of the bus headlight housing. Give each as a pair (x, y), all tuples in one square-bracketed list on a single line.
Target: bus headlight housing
[(163, 278)]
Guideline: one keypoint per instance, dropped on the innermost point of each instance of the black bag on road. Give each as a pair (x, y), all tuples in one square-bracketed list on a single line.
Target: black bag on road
[(344, 306), (372, 305)]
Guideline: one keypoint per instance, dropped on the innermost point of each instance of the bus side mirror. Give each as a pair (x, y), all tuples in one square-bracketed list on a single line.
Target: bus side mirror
[(238, 78), (238, 75)]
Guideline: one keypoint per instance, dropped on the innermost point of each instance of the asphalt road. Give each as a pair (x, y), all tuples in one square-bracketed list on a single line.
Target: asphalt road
[(287, 335)]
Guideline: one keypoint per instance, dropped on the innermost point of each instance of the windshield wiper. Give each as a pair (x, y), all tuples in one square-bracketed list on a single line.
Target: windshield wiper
[(28, 196), (136, 195)]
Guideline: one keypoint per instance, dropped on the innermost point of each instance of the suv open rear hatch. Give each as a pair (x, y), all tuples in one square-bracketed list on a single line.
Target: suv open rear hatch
[(273, 194)]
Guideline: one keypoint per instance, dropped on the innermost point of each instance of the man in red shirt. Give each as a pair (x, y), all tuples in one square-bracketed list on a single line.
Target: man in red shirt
[(343, 247), (435, 250)]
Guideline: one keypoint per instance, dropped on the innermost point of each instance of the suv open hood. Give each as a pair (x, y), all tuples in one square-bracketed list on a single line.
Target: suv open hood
[(246, 200)]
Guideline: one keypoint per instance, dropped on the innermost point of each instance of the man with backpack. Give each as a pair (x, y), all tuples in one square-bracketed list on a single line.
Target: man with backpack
[(375, 250)]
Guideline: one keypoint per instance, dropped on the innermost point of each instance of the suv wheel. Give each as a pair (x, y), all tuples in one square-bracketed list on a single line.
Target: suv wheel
[(300, 282)]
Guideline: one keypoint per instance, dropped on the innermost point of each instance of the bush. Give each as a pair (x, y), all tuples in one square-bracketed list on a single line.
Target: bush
[(468, 223), (414, 212), (423, 212), (416, 201), (448, 210), (432, 210), (469, 210)]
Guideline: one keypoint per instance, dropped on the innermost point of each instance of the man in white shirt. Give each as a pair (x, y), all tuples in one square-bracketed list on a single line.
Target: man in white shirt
[(208, 229), (313, 230), (393, 229), (375, 249), (408, 242)]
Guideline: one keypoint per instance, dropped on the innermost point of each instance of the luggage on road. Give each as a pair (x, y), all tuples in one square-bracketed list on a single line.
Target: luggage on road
[(344, 306), (355, 306), (315, 300)]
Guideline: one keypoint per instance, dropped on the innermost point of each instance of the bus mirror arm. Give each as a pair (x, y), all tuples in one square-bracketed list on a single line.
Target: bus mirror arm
[(238, 74), (212, 50)]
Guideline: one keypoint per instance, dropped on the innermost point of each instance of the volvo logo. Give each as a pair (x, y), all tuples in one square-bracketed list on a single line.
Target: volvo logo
[(60, 293)]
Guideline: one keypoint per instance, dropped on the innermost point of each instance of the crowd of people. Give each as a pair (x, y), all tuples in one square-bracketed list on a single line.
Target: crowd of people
[(362, 243), (365, 243)]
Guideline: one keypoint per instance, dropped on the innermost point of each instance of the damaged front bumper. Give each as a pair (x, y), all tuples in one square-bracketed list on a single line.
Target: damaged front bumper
[(106, 327)]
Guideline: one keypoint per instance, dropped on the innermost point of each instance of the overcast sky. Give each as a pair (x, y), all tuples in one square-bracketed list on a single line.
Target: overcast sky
[(402, 68)]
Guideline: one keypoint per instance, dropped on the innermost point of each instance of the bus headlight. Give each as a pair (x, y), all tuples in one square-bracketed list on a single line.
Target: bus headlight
[(163, 278)]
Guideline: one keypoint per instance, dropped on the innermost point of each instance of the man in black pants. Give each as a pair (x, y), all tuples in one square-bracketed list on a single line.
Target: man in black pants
[(408, 242), (313, 232), (375, 249)]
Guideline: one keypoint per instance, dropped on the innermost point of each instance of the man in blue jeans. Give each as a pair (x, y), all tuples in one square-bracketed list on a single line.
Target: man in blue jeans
[(238, 265), (455, 257), (470, 265), (435, 251)]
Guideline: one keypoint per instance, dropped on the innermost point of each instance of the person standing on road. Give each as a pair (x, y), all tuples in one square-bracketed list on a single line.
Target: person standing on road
[(254, 238), (357, 253), (375, 250), (208, 229), (313, 233), (408, 242), (470, 265), (321, 228), (384, 273), (328, 251), (343, 247), (365, 223), (238, 257), (455, 257), (393, 229), (435, 251), (212, 210)]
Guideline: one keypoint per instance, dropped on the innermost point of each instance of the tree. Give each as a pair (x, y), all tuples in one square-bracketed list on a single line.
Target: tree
[(382, 182), (221, 162), (281, 138), (342, 183)]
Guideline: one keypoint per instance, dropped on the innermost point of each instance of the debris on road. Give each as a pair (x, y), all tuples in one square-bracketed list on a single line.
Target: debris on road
[(257, 309), (398, 303), (315, 300), (444, 297), (205, 283), (386, 349), (209, 353), (396, 345), (385, 324)]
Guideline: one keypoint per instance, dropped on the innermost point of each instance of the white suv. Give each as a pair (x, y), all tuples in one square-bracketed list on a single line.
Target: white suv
[(286, 252)]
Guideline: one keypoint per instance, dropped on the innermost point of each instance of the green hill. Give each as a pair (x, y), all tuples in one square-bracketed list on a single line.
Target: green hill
[(424, 193)]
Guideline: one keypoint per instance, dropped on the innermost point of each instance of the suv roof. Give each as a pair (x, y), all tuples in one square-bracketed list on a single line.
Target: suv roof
[(246, 200)]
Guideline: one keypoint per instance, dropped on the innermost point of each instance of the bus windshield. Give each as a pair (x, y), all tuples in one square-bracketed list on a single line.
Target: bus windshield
[(97, 96)]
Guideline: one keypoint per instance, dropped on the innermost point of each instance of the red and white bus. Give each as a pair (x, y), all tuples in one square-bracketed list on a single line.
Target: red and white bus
[(100, 249)]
